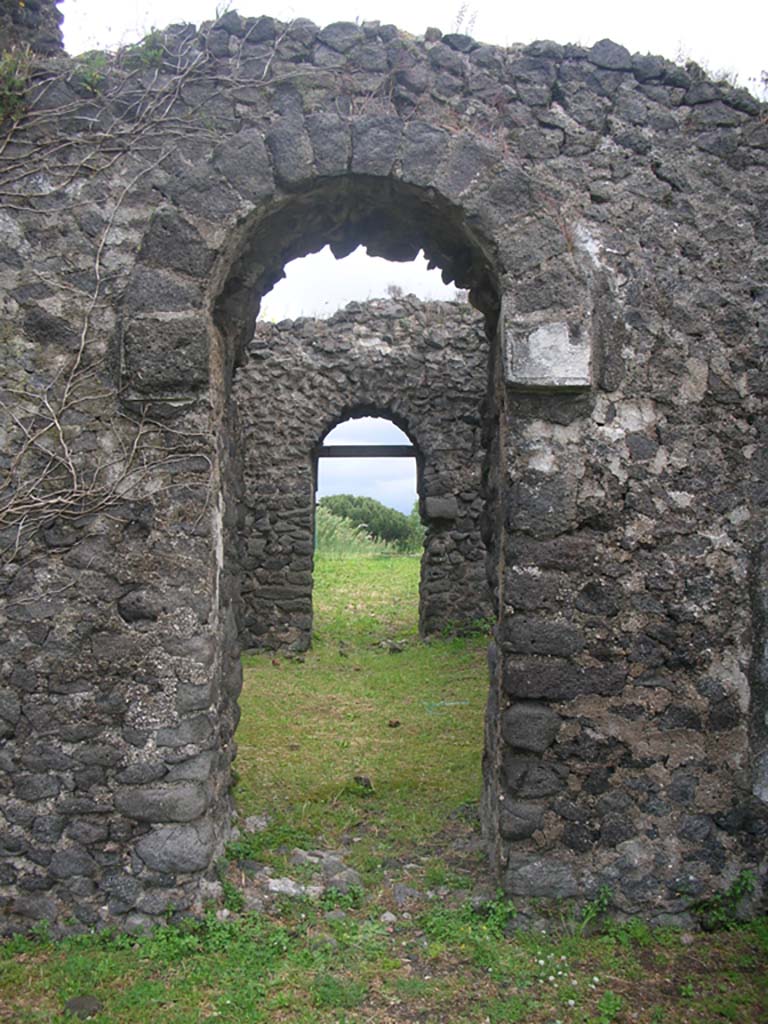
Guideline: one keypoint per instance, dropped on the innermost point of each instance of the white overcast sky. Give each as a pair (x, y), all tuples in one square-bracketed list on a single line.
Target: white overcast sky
[(730, 38), (391, 481)]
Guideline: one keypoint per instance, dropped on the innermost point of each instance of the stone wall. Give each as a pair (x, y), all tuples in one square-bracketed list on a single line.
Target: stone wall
[(32, 23), (425, 366), (607, 213)]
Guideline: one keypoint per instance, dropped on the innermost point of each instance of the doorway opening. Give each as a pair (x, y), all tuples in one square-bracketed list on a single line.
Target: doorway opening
[(368, 741), (369, 537)]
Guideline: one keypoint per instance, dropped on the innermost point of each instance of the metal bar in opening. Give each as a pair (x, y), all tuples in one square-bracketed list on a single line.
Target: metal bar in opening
[(366, 451)]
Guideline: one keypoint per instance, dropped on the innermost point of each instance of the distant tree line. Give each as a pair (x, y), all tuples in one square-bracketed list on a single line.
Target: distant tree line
[(406, 533)]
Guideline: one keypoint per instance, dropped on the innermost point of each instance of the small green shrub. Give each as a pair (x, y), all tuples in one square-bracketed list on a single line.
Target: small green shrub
[(146, 55), (438, 875), (232, 898), (760, 930), (609, 1006), (90, 70), (468, 922), (595, 908), (15, 69), (720, 912), (633, 932)]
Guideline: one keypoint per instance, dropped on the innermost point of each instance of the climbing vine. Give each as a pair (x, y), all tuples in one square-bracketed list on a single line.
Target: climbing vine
[(65, 122)]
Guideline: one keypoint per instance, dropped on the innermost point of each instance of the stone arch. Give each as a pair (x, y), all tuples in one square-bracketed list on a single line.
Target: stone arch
[(366, 407), (488, 227)]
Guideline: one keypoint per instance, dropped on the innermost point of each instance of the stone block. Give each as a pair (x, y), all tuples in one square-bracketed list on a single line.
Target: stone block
[(143, 604), (541, 876), (529, 778), (375, 144), (467, 163), (441, 507), (141, 772), (10, 706), (36, 787), (291, 150), (72, 861), (36, 907), (331, 143), (244, 162), (616, 828), (530, 726), (559, 679), (166, 354), (171, 243), (424, 146), (102, 754), (152, 289), (194, 698), (178, 848), (341, 36), (519, 819), (607, 54), (194, 769), (552, 356), (48, 828), (523, 635), (87, 832), (183, 801), (599, 598), (190, 730), (542, 505), (121, 887)]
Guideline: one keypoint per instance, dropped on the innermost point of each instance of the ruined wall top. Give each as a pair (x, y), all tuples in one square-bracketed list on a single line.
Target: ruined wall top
[(32, 23)]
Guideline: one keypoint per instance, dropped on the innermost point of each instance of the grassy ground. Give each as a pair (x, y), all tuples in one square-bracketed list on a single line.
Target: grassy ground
[(371, 702), (368, 700)]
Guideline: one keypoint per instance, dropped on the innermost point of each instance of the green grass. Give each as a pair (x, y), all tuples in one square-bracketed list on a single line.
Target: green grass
[(309, 726), (410, 721)]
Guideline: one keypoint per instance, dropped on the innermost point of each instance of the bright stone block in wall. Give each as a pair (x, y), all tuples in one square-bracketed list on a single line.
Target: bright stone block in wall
[(554, 355)]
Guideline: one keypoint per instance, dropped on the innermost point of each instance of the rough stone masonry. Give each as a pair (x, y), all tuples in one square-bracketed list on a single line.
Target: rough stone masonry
[(608, 214)]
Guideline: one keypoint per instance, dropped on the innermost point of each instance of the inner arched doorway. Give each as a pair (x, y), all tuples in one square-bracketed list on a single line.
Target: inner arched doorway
[(420, 365)]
